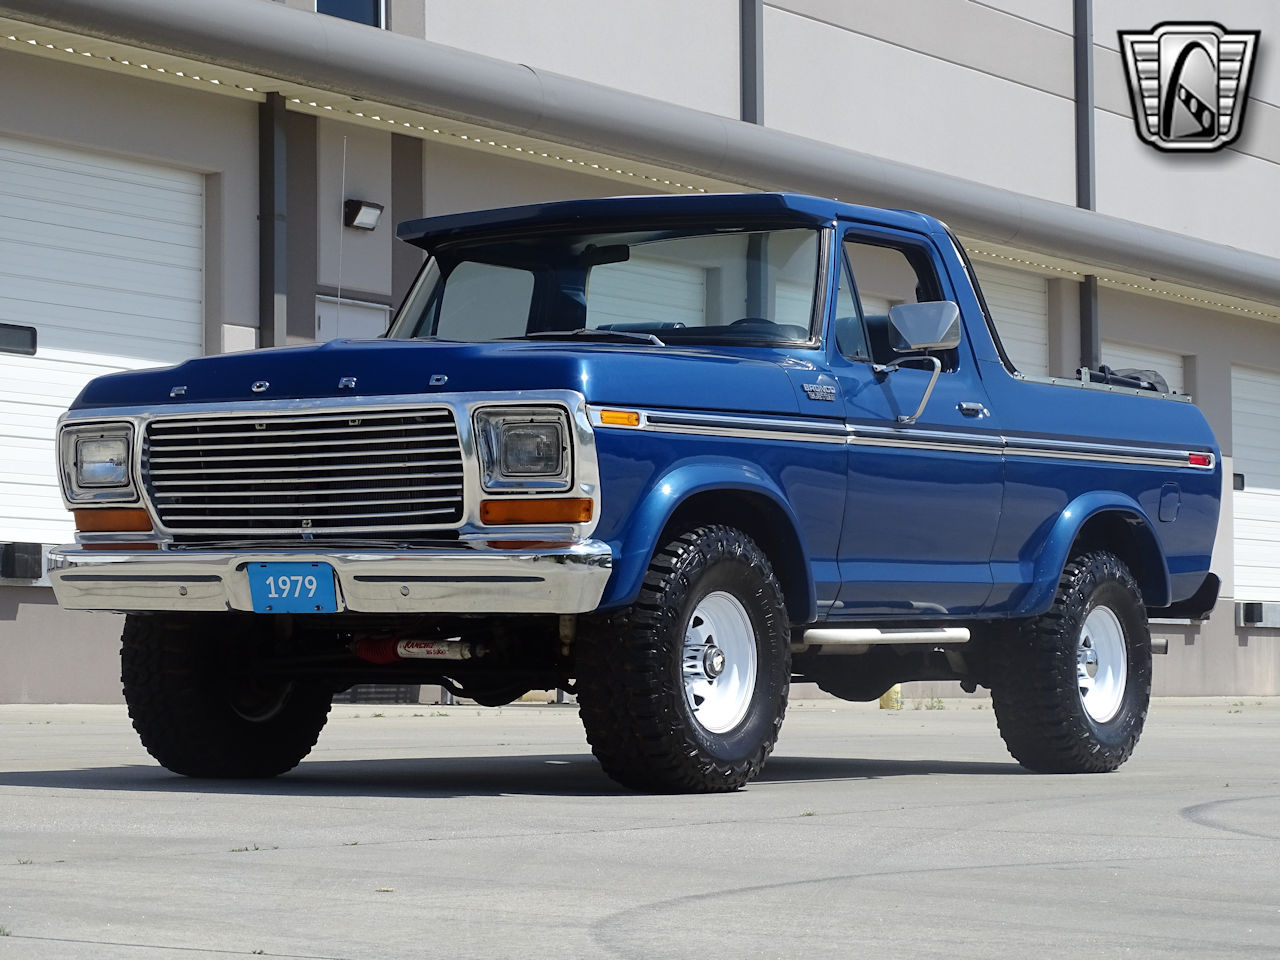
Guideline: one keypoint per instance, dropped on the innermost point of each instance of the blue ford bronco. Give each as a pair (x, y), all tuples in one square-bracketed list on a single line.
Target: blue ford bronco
[(668, 453)]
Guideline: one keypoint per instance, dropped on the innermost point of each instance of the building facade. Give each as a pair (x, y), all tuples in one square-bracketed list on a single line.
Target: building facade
[(175, 178)]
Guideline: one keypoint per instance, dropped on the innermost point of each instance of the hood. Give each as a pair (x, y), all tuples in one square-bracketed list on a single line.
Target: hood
[(741, 379)]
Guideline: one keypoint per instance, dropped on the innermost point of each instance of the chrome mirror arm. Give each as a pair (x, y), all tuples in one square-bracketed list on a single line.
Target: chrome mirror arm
[(928, 391)]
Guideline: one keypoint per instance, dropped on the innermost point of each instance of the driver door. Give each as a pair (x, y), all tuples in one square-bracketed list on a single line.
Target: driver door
[(923, 497)]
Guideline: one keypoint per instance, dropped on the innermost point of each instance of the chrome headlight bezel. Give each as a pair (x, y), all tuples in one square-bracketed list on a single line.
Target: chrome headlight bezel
[(114, 483), (511, 440)]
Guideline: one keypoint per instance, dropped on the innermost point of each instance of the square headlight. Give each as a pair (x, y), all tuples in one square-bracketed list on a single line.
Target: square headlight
[(532, 449), (102, 461), (523, 448), (95, 462)]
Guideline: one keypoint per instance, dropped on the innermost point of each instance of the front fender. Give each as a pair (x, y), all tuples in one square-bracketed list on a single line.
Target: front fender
[(637, 541), (1056, 550)]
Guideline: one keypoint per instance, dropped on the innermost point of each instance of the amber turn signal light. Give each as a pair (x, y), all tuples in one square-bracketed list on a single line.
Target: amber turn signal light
[(572, 510), (112, 520), (620, 418)]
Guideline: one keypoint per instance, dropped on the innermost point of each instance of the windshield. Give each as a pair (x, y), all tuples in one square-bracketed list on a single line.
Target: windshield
[(676, 286)]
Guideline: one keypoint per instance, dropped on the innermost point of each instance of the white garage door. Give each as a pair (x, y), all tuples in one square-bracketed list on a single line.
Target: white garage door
[(1019, 304), (1255, 438), (643, 289), (104, 258), (350, 319), (1127, 356)]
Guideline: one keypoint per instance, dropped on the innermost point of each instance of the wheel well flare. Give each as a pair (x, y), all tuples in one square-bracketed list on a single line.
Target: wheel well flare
[(760, 518), (1130, 538)]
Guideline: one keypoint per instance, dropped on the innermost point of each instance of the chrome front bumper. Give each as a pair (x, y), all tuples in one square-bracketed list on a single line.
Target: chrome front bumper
[(551, 578)]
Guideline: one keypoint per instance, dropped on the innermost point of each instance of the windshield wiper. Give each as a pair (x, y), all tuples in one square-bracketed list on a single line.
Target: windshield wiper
[(598, 336)]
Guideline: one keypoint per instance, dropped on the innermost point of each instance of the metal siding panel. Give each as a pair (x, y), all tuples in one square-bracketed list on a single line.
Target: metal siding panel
[(104, 256), (1255, 435), (1019, 303)]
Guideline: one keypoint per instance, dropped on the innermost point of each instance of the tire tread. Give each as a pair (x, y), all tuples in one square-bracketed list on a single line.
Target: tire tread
[(627, 694), (187, 726), (1034, 688)]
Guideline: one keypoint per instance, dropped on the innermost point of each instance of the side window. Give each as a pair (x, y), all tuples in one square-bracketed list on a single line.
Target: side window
[(885, 276), (359, 11), (851, 337)]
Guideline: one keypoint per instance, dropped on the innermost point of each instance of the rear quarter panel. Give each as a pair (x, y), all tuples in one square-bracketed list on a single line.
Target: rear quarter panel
[(1048, 498)]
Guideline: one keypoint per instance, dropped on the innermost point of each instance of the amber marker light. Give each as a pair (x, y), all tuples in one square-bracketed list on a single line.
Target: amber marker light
[(572, 510), (620, 418), (112, 520)]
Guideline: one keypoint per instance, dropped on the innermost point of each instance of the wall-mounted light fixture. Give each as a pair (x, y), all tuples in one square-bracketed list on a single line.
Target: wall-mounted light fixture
[(361, 214), (17, 338)]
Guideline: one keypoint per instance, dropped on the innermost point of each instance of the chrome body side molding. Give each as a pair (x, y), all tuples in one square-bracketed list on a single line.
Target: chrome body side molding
[(791, 430)]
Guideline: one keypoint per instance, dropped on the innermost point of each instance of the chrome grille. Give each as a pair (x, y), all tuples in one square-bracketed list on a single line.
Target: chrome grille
[(350, 473)]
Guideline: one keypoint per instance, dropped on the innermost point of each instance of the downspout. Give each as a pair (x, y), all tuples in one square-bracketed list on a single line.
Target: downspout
[(1086, 183), (751, 72), (751, 60)]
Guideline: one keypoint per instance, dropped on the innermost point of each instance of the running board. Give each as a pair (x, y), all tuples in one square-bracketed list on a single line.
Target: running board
[(857, 639)]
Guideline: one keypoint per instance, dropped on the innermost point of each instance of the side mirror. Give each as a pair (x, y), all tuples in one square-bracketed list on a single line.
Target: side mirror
[(922, 326), (934, 325)]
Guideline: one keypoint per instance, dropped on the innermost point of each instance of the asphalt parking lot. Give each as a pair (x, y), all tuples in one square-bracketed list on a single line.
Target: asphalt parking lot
[(462, 832)]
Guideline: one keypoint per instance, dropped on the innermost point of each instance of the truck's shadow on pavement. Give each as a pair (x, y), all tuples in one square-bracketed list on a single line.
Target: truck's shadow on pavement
[(570, 775)]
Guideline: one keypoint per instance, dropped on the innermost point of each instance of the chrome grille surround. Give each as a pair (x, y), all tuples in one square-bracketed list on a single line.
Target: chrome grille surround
[(457, 408), (305, 474)]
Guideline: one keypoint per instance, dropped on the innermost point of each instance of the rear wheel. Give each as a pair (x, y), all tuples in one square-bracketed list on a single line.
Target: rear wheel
[(200, 710), (1071, 688), (686, 691)]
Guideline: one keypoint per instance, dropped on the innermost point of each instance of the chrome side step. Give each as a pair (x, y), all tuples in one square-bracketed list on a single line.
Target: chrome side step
[(858, 639)]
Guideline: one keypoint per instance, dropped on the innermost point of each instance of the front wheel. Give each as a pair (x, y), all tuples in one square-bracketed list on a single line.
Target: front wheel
[(686, 691), (199, 709), (1071, 688)]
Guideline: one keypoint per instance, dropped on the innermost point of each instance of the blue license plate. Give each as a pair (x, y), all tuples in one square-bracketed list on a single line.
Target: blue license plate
[(292, 588)]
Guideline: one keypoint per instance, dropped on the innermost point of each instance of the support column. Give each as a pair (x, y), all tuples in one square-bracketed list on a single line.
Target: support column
[(406, 204), (273, 208), (1090, 329), (302, 228)]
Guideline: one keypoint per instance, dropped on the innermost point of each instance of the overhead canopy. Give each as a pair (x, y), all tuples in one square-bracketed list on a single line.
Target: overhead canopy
[(270, 40)]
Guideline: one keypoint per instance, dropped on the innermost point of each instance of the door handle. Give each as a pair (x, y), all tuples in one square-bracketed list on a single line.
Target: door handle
[(972, 408)]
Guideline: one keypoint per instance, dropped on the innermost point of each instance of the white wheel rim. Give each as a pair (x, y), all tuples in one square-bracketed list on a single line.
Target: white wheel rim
[(1102, 664), (719, 662)]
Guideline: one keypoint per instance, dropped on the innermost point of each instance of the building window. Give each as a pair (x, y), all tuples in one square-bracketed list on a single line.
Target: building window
[(360, 11)]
